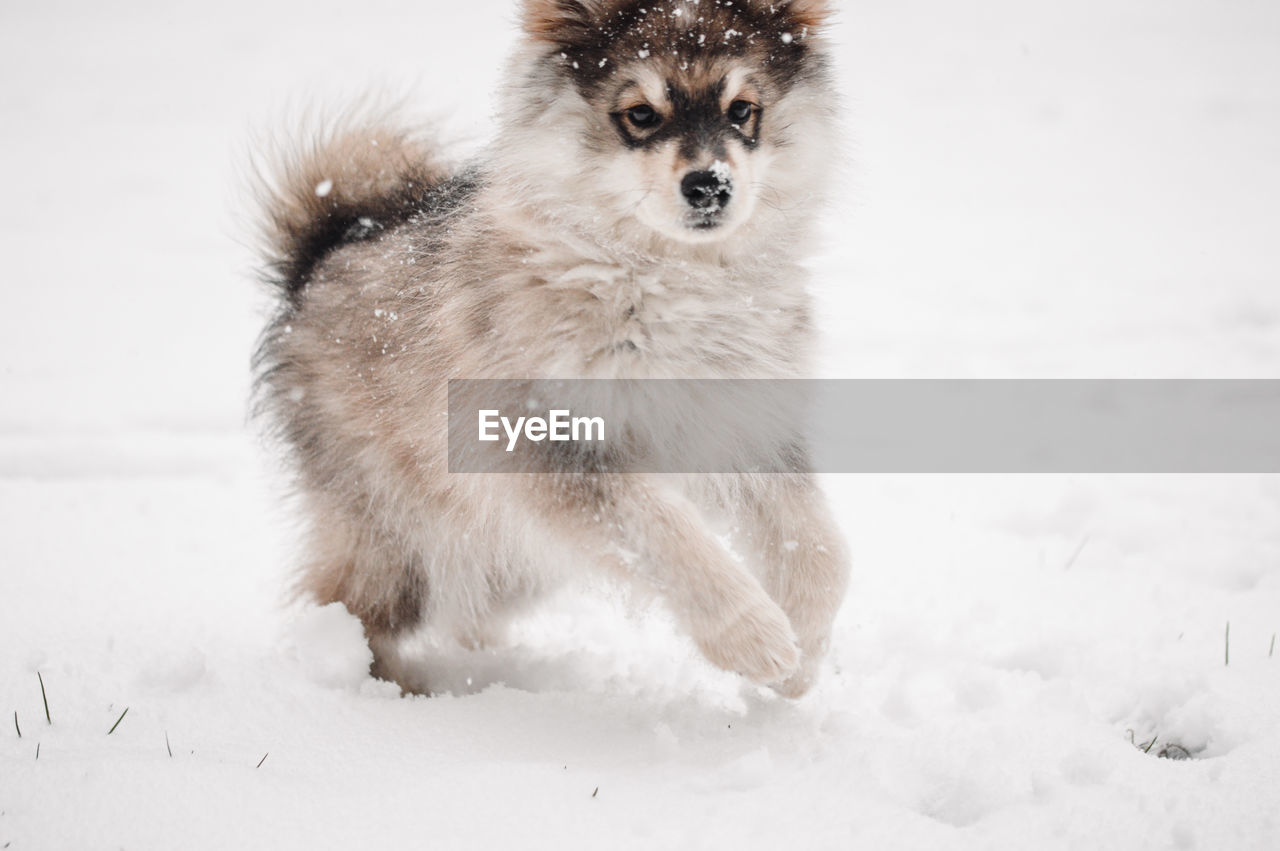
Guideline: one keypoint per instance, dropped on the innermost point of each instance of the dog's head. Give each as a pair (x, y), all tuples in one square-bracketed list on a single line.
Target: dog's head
[(688, 118)]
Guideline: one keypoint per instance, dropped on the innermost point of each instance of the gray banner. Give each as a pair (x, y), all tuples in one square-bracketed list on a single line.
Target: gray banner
[(865, 426)]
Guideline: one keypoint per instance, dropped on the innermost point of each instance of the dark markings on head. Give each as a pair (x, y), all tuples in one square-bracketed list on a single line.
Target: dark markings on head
[(589, 40), (696, 119)]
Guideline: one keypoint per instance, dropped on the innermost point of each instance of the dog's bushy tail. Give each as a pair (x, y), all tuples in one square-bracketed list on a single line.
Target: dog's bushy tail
[(347, 180)]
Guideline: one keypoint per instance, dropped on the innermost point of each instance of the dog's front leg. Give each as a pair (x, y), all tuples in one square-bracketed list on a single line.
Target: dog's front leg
[(658, 538), (802, 558)]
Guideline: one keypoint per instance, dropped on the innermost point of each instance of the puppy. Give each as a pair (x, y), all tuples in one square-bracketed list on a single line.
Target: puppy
[(641, 214)]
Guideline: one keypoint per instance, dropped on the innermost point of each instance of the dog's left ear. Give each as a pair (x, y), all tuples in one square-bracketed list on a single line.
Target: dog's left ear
[(810, 14), (559, 22)]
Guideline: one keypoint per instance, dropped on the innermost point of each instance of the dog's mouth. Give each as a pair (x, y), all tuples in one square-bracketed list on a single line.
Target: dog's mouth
[(704, 220)]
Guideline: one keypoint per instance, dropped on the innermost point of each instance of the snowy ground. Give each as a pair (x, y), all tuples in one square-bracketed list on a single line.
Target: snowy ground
[(1040, 190)]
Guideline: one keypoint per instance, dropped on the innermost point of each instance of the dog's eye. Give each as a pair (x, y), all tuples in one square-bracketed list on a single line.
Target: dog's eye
[(740, 111), (643, 116)]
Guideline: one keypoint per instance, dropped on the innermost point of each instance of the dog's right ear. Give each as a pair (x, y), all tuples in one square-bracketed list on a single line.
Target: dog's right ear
[(560, 22)]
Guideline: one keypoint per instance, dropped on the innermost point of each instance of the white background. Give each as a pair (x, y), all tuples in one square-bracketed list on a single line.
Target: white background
[(1034, 189)]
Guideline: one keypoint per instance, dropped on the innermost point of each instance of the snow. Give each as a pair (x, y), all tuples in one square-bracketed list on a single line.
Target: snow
[(330, 646), (1038, 190)]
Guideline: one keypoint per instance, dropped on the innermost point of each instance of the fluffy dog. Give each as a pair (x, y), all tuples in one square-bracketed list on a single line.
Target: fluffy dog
[(641, 214)]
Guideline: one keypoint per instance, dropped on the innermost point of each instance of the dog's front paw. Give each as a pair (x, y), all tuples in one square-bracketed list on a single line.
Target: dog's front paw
[(799, 683), (813, 651), (758, 644)]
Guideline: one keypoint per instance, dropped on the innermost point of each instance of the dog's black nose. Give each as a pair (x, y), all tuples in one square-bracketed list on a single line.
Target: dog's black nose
[(706, 190)]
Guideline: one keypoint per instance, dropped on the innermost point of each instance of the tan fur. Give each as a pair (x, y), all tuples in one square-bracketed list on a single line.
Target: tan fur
[(360, 164), (542, 260), (810, 13), (547, 20)]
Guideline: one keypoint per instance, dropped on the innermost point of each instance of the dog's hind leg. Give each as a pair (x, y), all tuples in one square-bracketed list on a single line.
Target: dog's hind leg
[(380, 584)]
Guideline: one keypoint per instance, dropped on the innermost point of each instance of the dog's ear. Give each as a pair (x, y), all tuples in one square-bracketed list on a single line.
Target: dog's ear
[(560, 22), (809, 14)]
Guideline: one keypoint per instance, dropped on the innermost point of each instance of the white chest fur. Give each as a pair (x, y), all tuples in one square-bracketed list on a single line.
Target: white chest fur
[(679, 319)]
